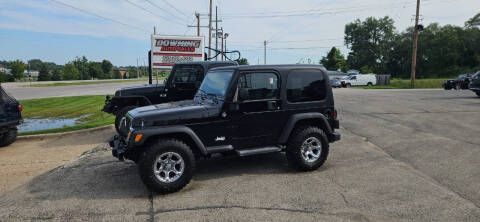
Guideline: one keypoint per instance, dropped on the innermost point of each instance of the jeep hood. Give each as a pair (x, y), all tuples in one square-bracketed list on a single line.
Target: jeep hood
[(173, 113), (139, 90)]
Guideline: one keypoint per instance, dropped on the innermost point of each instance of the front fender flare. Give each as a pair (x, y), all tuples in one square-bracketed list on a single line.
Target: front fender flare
[(289, 126), (147, 133)]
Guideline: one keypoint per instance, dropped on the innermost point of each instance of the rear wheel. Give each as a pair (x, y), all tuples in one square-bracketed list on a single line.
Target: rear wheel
[(120, 115), (307, 150), (348, 85), (369, 84), (478, 93), (458, 86), (8, 137), (167, 166)]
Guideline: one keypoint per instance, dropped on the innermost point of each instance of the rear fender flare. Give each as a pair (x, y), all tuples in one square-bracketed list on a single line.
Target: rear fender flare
[(292, 121)]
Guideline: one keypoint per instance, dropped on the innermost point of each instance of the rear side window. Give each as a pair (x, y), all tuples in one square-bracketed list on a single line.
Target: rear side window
[(305, 85), (188, 74)]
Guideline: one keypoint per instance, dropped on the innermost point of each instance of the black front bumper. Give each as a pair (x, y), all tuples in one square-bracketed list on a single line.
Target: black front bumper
[(108, 107), (119, 147)]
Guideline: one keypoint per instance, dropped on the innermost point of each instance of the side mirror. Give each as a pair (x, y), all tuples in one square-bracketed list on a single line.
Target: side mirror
[(243, 94)]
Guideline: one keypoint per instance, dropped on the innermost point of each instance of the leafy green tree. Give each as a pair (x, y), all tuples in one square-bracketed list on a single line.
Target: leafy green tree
[(474, 21), (43, 74), (370, 43), (34, 64), (107, 67), (242, 61), (132, 73), (82, 66), (117, 75), (95, 70), (365, 70), (56, 75), (17, 68), (334, 60), (70, 72), (6, 77)]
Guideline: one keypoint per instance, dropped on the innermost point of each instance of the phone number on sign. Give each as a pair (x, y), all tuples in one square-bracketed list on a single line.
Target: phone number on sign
[(175, 59)]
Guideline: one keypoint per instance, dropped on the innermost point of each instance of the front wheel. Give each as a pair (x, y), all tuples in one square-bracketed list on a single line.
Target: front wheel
[(167, 166), (307, 150), (8, 137), (120, 114), (458, 86), (369, 84), (348, 85)]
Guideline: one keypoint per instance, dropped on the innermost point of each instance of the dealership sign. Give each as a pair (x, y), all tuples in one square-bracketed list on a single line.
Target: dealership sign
[(167, 50)]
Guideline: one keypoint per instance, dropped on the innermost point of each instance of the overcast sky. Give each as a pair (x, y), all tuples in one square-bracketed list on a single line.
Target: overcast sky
[(119, 30)]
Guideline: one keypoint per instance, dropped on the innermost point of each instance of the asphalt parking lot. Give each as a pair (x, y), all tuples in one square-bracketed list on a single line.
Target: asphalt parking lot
[(404, 155)]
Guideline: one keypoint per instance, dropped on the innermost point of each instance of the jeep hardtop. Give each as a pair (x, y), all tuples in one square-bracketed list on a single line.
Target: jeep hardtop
[(181, 84), (242, 110)]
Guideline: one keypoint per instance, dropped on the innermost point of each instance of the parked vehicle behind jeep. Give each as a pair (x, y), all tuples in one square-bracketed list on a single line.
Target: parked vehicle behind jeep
[(242, 110), (461, 82), (181, 84), (475, 84), (10, 118), (359, 80)]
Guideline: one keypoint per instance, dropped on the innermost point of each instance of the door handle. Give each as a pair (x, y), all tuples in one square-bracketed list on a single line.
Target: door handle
[(272, 105)]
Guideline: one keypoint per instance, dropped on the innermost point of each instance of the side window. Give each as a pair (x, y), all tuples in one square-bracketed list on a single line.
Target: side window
[(305, 85), (353, 78), (188, 74), (258, 86)]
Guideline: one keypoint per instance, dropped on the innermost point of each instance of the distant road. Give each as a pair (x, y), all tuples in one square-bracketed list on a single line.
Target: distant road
[(19, 91)]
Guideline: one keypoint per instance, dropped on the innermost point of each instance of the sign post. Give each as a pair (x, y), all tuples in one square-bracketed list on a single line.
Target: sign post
[(167, 50)]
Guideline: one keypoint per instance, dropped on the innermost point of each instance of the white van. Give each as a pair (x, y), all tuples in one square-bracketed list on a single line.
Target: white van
[(359, 80)]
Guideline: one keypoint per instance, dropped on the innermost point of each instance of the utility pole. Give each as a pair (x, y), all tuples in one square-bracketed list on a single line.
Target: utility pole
[(222, 43), (198, 23), (415, 43), (216, 32), (210, 31), (265, 52)]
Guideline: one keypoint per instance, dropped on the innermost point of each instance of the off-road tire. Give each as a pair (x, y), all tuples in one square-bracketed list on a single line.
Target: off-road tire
[(293, 151), (369, 84), (149, 156), (120, 114), (458, 86), (8, 137)]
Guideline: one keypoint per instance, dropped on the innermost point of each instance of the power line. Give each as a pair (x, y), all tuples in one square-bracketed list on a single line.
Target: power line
[(155, 14), (168, 3), (293, 48), (162, 9), (99, 16)]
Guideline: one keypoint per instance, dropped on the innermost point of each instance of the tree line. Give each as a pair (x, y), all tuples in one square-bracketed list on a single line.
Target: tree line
[(78, 69), (376, 47)]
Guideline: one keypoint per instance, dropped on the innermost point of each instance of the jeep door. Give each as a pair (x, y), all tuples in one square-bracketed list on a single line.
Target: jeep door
[(185, 82), (259, 118)]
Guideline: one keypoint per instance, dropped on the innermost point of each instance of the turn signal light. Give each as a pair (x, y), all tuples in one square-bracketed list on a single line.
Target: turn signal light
[(138, 137), (20, 108), (334, 114)]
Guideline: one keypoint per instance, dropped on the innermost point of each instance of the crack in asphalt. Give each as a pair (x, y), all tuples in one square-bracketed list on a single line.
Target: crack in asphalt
[(419, 172), (228, 207), (151, 211)]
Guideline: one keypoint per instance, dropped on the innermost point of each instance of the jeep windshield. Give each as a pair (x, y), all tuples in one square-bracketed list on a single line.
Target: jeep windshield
[(215, 84)]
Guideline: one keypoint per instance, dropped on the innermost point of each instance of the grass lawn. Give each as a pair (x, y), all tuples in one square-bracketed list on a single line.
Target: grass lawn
[(405, 84), (74, 83), (88, 108)]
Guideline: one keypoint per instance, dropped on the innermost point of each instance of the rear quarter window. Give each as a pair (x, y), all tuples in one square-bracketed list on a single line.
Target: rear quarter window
[(304, 85)]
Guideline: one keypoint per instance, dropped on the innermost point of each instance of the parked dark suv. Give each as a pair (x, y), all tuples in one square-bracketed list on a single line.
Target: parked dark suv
[(242, 110), (475, 84), (10, 118), (461, 82), (181, 84)]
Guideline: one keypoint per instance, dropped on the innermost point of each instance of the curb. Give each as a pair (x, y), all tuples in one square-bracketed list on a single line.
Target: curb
[(50, 135)]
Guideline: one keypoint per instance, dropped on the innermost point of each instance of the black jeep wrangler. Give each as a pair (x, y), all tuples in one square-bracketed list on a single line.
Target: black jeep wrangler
[(461, 82), (475, 84), (181, 84), (241, 110), (10, 118)]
